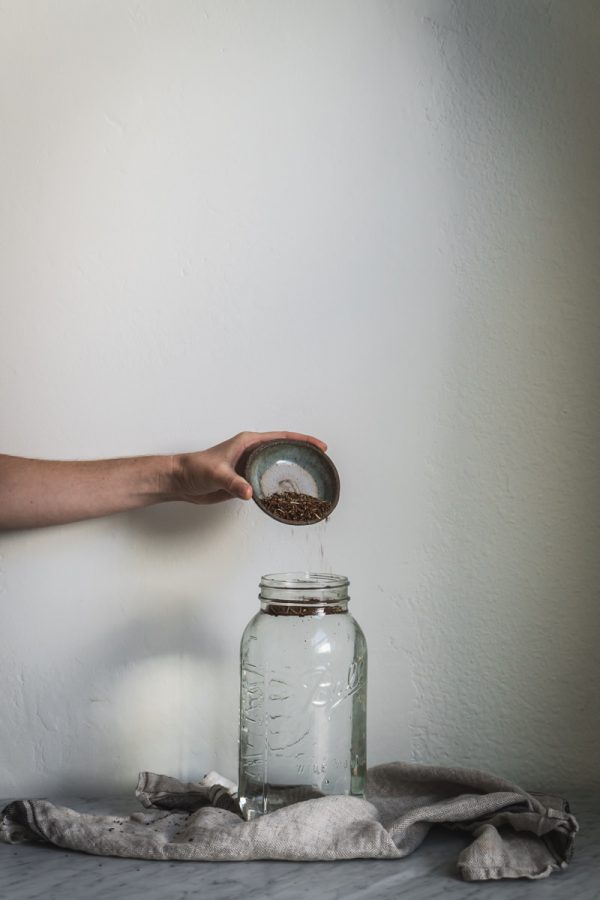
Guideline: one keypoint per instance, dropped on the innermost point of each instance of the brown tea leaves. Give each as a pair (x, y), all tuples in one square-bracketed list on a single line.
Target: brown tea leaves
[(296, 508)]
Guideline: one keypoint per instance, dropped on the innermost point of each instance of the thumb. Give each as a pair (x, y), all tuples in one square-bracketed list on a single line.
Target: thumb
[(239, 487)]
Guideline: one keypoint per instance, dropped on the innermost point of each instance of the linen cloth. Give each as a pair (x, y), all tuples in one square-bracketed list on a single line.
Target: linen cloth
[(515, 834)]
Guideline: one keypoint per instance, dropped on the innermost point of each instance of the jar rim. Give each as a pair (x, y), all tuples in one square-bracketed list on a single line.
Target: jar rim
[(303, 581)]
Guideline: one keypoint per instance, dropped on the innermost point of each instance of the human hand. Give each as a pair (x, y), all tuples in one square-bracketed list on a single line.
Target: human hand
[(211, 476)]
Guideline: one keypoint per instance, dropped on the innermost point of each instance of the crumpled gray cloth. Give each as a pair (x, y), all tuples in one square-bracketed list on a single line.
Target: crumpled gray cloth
[(515, 834)]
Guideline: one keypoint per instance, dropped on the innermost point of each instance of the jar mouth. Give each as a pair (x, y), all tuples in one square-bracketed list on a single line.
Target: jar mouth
[(304, 581), (304, 590)]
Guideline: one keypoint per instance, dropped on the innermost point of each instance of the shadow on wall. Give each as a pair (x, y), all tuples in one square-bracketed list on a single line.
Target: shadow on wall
[(170, 522), (144, 699), (508, 669), (151, 692)]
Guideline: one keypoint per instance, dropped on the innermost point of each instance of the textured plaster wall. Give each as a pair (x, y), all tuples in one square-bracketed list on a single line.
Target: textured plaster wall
[(378, 222)]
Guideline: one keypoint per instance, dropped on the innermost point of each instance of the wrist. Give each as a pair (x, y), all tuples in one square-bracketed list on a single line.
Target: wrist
[(169, 474)]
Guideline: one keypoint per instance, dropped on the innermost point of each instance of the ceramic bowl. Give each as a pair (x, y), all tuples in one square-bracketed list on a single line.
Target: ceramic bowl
[(298, 466)]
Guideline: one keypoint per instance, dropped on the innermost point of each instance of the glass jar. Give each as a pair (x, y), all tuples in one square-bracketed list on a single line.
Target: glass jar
[(303, 695)]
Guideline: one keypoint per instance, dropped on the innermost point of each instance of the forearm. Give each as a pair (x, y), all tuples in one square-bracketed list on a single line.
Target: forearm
[(35, 492)]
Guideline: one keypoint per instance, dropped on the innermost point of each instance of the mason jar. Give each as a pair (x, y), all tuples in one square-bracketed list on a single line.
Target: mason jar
[(303, 695)]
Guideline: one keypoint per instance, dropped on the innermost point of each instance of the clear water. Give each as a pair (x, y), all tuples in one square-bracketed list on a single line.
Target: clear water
[(302, 710)]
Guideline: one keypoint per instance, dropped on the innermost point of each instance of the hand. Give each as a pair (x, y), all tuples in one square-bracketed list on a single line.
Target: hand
[(210, 476)]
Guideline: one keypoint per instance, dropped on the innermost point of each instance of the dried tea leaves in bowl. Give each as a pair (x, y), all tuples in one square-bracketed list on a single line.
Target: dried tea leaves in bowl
[(294, 507)]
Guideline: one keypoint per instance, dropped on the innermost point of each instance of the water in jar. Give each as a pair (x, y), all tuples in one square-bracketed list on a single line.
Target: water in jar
[(303, 709)]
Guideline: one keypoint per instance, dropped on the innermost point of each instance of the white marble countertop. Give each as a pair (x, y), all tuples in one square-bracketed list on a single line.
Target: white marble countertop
[(33, 872)]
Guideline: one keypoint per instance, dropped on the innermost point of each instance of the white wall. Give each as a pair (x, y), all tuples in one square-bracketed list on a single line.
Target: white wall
[(377, 222)]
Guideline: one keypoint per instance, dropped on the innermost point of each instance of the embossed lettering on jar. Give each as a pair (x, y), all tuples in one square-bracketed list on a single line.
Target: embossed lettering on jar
[(303, 695)]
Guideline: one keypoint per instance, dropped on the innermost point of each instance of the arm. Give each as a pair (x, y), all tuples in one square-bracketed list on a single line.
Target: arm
[(36, 492)]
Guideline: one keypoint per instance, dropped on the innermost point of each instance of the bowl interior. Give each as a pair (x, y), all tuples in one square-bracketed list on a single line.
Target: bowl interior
[(278, 467)]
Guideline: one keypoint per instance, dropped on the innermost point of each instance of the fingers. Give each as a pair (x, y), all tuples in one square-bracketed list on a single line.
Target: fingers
[(245, 493), (259, 437)]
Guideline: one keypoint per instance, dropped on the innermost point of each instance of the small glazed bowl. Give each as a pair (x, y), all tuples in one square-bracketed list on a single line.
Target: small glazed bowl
[(291, 466)]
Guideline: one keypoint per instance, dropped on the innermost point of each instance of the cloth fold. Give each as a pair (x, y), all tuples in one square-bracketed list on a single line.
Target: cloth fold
[(515, 834)]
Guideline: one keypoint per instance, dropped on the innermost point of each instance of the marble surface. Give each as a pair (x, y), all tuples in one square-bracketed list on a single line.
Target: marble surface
[(33, 872)]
